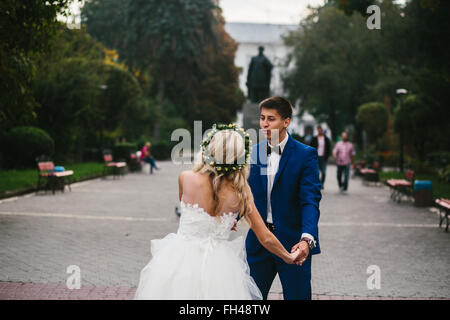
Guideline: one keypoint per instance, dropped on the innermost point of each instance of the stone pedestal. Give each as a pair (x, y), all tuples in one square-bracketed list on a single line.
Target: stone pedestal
[(251, 116)]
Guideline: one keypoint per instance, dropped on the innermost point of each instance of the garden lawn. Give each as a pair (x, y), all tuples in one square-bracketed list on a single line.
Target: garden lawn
[(12, 181), (440, 189)]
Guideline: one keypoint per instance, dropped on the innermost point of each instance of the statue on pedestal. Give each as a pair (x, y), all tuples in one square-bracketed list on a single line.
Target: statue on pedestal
[(258, 77)]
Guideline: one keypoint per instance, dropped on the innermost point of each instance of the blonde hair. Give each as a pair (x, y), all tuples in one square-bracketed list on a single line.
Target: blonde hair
[(226, 146)]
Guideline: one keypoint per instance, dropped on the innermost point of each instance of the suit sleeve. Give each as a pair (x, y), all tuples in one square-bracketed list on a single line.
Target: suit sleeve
[(309, 194)]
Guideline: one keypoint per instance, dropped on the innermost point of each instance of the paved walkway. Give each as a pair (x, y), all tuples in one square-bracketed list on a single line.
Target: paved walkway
[(104, 227)]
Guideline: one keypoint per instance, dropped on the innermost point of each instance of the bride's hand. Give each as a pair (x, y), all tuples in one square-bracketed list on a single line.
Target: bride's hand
[(292, 257)]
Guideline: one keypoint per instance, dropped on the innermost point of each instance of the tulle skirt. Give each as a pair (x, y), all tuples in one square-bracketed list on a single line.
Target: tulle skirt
[(183, 268)]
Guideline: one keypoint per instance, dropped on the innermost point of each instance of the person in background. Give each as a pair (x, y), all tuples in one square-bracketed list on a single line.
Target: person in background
[(146, 156), (344, 153), (323, 145)]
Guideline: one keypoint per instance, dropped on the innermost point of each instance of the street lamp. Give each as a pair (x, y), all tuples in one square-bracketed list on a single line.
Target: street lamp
[(401, 91)]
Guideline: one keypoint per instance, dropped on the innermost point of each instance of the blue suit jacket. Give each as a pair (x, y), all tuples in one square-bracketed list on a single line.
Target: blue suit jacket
[(294, 199)]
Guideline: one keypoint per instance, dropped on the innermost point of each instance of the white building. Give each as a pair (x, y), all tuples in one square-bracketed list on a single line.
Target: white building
[(249, 37)]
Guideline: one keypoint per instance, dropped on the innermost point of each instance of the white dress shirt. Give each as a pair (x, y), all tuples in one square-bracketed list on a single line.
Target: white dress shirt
[(273, 161)]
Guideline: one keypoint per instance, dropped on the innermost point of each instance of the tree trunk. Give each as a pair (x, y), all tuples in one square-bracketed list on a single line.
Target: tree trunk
[(389, 134), (161, 97), (401, 151), (334, 133)]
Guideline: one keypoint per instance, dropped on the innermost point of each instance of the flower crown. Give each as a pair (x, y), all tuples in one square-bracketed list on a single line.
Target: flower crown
[(225, 168)]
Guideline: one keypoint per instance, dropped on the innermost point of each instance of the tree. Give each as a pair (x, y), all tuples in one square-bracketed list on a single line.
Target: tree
[(217, 97), (349, 6), (26, 29), (373, 118), (106, 21), (335, 59), (85, 97), (167, 38), (414, 121), (182, 50)]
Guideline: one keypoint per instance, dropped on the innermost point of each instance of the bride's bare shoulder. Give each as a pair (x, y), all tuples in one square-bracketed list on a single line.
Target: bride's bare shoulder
[(191, 176)]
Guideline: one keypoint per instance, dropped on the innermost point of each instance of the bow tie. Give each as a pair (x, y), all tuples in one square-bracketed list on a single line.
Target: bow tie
[(276, 149)]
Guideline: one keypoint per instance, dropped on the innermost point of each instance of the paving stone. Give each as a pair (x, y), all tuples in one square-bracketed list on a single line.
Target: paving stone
[(105, 226)]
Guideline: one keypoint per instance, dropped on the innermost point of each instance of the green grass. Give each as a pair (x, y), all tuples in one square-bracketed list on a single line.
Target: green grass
[(17, 180), (440, 189)]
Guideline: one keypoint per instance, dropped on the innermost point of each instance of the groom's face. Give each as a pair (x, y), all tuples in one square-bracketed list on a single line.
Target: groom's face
[(270, 121)]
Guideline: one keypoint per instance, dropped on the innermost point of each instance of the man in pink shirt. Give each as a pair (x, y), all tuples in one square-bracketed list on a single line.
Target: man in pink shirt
[(344, 153)]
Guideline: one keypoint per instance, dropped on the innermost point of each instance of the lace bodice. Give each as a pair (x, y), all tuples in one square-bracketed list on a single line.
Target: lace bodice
[(196, 222)]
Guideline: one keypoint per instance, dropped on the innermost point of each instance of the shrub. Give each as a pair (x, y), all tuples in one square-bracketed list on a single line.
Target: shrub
[(373, 118), (438, 159), (22, 145), (161, 150), (92, 154), (122, 151)]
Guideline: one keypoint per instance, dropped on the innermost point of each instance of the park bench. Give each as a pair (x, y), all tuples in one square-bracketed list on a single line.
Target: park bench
[(358, 167), (444, 208), (402, 187), (370, 174), (53, 179), (116, 168)]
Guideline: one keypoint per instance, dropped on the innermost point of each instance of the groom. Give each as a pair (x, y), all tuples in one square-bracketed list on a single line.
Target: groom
[(284, 178)]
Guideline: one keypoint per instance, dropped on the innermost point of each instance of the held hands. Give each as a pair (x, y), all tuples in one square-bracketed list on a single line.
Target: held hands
[(293, 257), (303, 252)]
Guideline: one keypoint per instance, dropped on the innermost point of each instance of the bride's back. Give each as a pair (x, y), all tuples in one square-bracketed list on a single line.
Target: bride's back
[(197, 189)]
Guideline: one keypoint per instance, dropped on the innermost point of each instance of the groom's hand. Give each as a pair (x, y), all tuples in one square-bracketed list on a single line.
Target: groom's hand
[(304, 252)]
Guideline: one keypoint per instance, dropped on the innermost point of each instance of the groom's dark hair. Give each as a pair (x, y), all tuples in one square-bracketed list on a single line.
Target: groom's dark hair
[(282, 105)]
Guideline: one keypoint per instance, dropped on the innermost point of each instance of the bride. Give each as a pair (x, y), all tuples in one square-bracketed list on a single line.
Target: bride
[(199, 261)]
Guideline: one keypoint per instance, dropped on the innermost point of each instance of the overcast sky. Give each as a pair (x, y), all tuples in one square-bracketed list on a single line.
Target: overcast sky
[(259, 11), (266, 11)]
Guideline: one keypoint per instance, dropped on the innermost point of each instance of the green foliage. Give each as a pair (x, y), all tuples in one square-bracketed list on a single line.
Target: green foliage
[(340, 64), (373, 118), (417, 123), (444, 174), (86, 102), (122, 151), (162, 150), (22, 145), (335, 59), (183, 49), (28, 26), (26, 29), (439, 159), (349, 6), (169, 31), (26, 180), (105, 20)]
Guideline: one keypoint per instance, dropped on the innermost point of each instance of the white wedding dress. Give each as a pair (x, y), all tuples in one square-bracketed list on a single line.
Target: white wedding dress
[(198, 262)]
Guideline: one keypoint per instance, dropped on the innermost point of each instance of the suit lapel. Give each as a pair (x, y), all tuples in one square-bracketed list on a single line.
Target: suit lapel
[(283, 160)]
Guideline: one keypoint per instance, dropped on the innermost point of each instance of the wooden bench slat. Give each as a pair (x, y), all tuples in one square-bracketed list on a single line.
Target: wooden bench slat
[(443, 203), (62, 173)]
